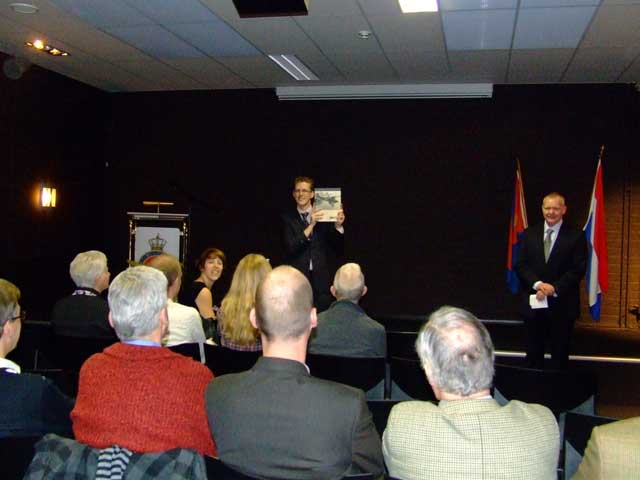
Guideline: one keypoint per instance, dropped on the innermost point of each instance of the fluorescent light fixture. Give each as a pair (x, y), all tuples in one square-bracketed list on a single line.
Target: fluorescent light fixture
[(364, 92), (416, 6), (294, 67)]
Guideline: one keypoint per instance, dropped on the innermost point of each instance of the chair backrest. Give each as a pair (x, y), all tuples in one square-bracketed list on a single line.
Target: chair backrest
[(360, 372), (188, 350), (402, 344), (408, 375), (222, 360), (559, 390), (577, 431), (216, 470), (380, 410), (16, 454), (69, 353)]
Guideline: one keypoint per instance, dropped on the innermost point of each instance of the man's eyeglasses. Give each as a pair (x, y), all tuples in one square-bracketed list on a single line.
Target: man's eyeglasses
[(22, 316), (302, 191)]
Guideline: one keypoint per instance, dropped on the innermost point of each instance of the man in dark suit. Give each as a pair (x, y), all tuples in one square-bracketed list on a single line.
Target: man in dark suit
[(276, 420), (309, 242), (552, 260)]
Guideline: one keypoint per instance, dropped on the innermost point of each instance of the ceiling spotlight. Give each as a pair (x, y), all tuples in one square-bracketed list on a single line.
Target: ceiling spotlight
[(40, 45), (364, 34), (25, 8)]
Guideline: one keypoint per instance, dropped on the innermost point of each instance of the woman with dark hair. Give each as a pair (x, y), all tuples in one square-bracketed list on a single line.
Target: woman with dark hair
[(210, 264)]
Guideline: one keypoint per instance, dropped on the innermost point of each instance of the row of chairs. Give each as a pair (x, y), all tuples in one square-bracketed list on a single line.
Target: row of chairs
[(16, 452)]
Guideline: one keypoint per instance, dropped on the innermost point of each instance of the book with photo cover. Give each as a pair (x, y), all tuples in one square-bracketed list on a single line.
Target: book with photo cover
[(329, 200)]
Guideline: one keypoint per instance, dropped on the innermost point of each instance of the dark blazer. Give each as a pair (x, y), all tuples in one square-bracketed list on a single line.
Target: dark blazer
[(345, 330), (277, 421), (82, 316), (32, 405), (564, 270), (299, 249)]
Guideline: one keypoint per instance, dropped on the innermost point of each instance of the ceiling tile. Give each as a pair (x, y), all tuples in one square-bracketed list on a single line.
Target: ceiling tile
[(615, 26), (538, 66), (156, 41), (408, 32), (160, 75), (260, 71), (214, 38), (385, 7), (361, 68), (209, 73), (339, 34), (479, 66), (477, 4), (557, 3), (599, 64), (552, 27), (419, 67), (173, 11), (478, 30), (111, 13)]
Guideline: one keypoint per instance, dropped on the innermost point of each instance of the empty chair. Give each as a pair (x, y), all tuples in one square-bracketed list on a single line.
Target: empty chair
[(402, 344), (577, 430), (408, 380), (559, 390), (360, 372)]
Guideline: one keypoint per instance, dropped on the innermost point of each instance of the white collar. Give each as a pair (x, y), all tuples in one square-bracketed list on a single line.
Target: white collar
[(10, 366), (555, 228)]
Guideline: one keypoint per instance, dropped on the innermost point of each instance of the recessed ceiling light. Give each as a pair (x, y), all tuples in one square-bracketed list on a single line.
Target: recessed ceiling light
[(23, 8), (415, 6), (364, 34), (51, 50)]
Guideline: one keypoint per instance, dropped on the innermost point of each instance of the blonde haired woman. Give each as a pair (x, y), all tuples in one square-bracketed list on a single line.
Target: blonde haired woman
[(236, 331)]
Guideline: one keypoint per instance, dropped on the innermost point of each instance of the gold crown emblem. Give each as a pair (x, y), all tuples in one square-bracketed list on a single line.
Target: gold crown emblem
[(157, 244)]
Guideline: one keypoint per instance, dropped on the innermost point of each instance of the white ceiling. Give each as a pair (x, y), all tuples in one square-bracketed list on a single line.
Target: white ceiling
[(146, 45)]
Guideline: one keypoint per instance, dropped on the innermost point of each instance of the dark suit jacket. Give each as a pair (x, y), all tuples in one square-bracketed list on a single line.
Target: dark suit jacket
[(299, 249), (277, 421), (564, 270), (82, 316), (32, 405), (346, 330)]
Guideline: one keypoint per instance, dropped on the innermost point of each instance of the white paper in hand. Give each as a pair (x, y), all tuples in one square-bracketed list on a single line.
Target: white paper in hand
[(535, 303)]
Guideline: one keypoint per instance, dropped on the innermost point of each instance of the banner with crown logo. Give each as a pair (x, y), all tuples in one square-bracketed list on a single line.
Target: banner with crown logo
[(152, 241)]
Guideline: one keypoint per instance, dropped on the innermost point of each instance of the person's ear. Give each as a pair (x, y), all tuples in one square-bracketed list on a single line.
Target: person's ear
[(313, 317), (111, 320), (252, 318), (332, 289), (364, 291)]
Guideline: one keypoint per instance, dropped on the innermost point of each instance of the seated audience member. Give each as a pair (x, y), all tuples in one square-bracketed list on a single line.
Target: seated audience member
[(136, 393), (199, 293), (84, 313), (185, 325), (467, 435), (276, 420), (29, 404), (345, 329), (236, 331), (612, 452)]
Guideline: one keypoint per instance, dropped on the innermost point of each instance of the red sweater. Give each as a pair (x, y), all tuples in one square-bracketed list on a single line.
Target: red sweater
[(146, 399)]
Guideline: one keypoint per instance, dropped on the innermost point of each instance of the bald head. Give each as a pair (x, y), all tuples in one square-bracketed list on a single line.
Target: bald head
[(284, 302), (348, 283)]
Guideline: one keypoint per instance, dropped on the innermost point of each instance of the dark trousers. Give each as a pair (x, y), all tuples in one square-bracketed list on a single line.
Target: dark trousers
[(321, 293), (547, 323)]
